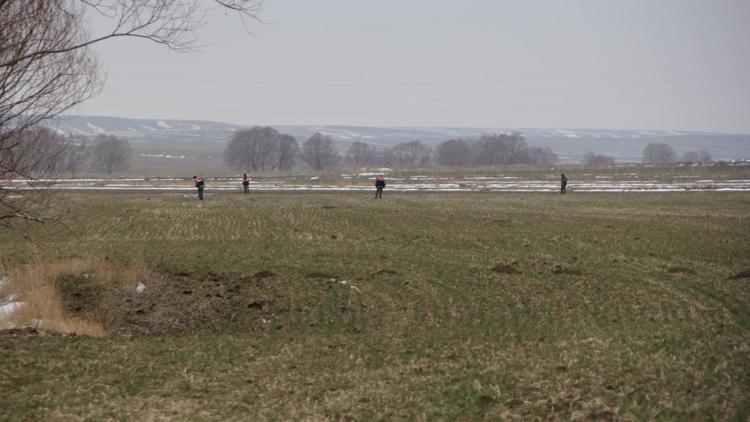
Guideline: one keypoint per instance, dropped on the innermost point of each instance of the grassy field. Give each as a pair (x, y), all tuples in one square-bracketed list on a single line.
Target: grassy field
[(417, 306)]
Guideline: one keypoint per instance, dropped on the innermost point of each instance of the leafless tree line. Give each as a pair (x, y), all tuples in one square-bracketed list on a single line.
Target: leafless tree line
[(261, 148), (43, 152), (657, 153), (47, 68), (492, 150)]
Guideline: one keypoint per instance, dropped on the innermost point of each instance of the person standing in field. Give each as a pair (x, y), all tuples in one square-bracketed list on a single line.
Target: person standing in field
[(379, 185), (246, 183), (563, 184), (200, 184)]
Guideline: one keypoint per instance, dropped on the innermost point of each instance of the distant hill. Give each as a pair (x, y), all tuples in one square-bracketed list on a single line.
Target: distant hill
[(189, 136)]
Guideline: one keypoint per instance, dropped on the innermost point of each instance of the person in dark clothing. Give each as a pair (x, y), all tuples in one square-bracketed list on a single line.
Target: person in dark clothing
[(563, 184), (379, 185), (246, 183), (200, 184)]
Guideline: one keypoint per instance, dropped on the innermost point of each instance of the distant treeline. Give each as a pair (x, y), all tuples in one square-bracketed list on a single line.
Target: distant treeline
[(42, 150), (264, 148)]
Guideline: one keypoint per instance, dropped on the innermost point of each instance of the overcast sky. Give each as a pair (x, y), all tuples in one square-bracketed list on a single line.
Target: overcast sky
[(629, 64)]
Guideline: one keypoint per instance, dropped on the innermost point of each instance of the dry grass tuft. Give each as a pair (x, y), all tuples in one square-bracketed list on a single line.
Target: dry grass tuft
[(36, 285)]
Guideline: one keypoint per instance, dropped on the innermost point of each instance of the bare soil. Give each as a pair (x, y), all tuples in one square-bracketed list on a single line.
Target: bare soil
[(174, 302)]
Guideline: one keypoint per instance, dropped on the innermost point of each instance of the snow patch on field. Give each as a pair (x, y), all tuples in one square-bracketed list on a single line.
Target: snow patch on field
[(360, 182), (96, 129), (9, 308)]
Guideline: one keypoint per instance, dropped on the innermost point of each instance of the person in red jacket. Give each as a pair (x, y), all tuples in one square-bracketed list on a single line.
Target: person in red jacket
[(246, 183), (379, 185), (200, 184)]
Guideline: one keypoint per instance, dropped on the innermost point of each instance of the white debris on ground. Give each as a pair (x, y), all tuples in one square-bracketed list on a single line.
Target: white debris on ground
[(140, 288), (346, 283), (9, 308), (417, 183), (9, 304)]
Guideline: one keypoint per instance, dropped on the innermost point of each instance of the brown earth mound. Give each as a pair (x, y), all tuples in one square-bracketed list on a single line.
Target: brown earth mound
[(387, 271), (505, 269), (174, 302), (680, 271), (260, 275), (318, 274), (741, 274), (25, 332), (565, 271)]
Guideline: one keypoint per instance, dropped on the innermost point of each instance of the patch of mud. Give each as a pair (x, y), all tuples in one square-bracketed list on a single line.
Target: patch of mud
[(318, 274), (679, 271), (82, 294), (175, 302), (505, 269), (27, 332), (565, 271), (387, 271), (740, 275), (260, 275)]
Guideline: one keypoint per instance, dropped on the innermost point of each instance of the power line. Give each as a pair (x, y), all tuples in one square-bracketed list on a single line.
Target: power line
[(417, 83), (428, 111), (433, 99)]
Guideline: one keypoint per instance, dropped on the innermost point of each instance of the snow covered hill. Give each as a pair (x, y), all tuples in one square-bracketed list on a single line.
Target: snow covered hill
[(180, 136)]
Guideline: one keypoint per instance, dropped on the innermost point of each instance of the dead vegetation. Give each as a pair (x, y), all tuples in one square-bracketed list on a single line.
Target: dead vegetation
[(680, 271), (741, 275), (98, 298), (505, 269)]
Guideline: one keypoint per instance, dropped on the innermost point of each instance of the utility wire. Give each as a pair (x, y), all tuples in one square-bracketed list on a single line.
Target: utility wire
[(429, 99), (417, 83), (428, 111)]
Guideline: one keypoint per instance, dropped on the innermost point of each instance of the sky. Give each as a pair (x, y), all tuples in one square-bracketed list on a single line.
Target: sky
[(625, 64)]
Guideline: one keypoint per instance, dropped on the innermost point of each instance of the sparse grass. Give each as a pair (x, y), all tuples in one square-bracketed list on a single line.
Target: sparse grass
[(621, 306), (38, 285)]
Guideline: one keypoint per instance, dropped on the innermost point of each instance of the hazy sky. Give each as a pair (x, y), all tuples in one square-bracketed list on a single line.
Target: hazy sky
[(631, 64)]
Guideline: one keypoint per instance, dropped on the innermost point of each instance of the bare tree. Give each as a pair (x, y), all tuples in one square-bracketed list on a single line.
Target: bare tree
[(537, 156), (659, 154), (111, 153), (47, 66), (702, 156), (360, 154), (288, 149), (254, 149), (382, 158), (320, 152), (499, 149), (76, 154), (454, 153), (411, 154), (597, 160)]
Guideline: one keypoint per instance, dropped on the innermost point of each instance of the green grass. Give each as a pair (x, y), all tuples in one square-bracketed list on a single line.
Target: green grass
[(593, 324)]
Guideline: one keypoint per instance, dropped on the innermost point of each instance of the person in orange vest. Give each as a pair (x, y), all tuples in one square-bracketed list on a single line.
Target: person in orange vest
[(379, 185), (246, 183), (200, 184)]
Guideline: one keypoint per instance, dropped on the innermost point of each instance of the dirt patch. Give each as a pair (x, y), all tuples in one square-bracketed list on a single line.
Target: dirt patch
[(740, 275), (318, 274), (26, 332), (174, 302), (387, 271), (678, 271), (82, 294), (565, 271), (505, 269), (260, 275)]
